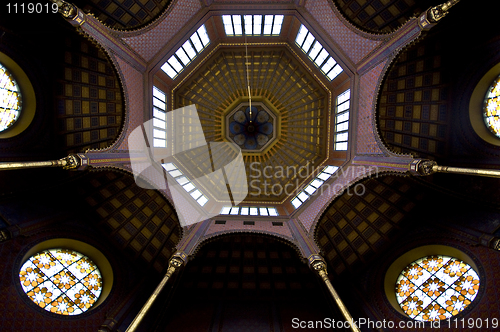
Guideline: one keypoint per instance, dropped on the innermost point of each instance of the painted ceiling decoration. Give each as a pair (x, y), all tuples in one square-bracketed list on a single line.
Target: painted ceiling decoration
[(289, 124), (251, 130), (294, 72), (333, 105)]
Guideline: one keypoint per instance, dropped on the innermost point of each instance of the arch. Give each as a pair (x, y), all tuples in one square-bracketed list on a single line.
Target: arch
[(89, 97), (217, 236), (242, 278), (413, 107)]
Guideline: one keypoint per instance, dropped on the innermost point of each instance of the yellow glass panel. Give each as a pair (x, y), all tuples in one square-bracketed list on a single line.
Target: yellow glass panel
[(10, 99), (436, 287), (61, 281)]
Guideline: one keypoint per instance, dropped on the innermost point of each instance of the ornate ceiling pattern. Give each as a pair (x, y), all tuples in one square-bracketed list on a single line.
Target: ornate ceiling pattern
[(90, 107), (140, 222), (123, 15), (356, 228), (381, 16), (413, 109), (278, 80)]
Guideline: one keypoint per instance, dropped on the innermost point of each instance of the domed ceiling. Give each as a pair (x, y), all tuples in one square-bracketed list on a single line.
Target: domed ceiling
[(289, 124)]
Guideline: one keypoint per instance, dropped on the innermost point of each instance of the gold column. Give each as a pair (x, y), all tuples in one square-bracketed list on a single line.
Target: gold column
[(69, 162), (176, 262), (492, 173), (428, 167), (319, 265)]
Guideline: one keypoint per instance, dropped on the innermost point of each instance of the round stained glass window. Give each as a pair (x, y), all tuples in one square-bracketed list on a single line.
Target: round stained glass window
[(10, 99), (61, 281), (436, 287), (491, 110)]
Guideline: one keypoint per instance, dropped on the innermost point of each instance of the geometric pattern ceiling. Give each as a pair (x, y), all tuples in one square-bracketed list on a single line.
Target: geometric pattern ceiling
[(281, 82), (124, 14), (381, 16), (140, 222), (356, 228)]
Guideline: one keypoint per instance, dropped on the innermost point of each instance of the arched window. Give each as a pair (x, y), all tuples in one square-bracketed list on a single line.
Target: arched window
[(61, 281), (436, 287), (10, 99), (491, 109)]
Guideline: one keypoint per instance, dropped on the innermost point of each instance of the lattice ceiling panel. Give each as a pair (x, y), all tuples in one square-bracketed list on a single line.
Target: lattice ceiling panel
[(355, 228), (124, 14), (140, 222), (275, 76), (382, 15)]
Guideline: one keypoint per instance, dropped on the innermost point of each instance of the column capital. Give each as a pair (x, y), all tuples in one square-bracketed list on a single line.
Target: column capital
[(318, 264), (66, 9), (422, 167), (436, 13), (178, 259)]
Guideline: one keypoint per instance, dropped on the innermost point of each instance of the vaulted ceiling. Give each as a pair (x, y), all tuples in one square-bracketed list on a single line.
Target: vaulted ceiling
[(419, 110), (278, 79)]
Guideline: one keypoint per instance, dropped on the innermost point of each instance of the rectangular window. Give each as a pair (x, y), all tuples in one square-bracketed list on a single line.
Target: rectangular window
[(159, 123), (189, 187), (252, 211), (252, 25), (186, 53), (317, 53), (314, 185), (342, 121)]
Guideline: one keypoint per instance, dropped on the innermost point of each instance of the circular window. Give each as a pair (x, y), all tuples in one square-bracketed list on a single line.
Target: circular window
[(61, 281), (491, 109), (436, 287), (10, 99)]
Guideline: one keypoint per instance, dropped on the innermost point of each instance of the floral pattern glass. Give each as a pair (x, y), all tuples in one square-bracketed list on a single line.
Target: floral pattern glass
[(491, 109), (10, 99), (61, 281), (436, 287)]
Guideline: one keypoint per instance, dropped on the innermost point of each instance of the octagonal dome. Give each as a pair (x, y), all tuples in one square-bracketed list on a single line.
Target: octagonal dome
[(280, 82)]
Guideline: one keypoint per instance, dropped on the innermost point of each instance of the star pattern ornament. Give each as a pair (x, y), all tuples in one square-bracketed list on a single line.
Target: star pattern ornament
[(436, 287), (61, 281)]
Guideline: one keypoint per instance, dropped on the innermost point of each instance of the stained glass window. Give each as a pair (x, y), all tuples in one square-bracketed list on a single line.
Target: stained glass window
[(436, 287), (61, 281), (491, 111), (10, 99)]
